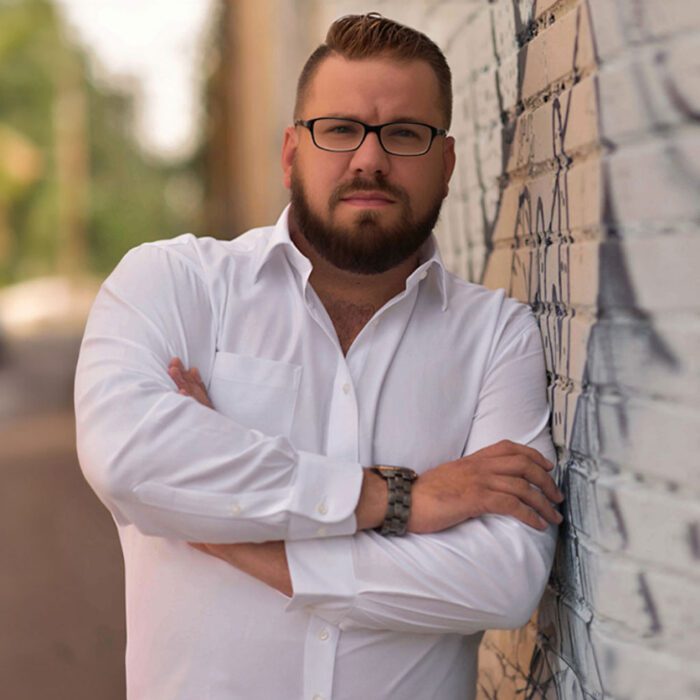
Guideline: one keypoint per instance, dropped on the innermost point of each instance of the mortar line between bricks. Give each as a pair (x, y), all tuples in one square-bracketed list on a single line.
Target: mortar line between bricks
[(637, 561)]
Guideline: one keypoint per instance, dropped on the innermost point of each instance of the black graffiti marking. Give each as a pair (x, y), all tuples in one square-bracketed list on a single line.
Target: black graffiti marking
[(694, 539), (654, 619)]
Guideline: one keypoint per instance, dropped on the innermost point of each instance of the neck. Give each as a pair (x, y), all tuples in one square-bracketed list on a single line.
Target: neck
[(335, 285)]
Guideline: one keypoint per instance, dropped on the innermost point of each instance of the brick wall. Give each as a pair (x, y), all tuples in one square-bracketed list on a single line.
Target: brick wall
[(577, 189)]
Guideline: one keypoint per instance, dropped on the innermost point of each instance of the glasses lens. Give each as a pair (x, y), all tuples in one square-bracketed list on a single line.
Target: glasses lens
[(338, 134), (406, 139)]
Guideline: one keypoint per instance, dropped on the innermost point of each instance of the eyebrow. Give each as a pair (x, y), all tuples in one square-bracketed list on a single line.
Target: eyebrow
[(416, 120)]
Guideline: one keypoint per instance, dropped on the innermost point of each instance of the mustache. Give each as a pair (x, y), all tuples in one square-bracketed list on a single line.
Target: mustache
[(360, 185)]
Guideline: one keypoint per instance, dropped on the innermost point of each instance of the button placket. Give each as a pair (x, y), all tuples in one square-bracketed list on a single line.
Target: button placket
[(319, 659), (342, 440)]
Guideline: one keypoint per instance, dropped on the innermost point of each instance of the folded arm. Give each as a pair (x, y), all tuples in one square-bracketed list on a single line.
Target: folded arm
[(172, 466), (486, 572)]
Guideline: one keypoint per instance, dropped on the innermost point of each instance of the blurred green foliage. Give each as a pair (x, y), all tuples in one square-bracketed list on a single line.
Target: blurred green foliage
[(126, 197)]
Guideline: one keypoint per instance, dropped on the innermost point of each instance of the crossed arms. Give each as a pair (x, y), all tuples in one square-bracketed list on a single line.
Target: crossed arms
[(495, 480), (171, 466)]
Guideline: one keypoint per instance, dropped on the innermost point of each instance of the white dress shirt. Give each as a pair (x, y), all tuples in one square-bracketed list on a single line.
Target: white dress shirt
[(443, 369)]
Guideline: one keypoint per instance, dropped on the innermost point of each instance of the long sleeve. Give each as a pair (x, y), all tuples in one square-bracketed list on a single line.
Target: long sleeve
[(488, 572), (165, 463)]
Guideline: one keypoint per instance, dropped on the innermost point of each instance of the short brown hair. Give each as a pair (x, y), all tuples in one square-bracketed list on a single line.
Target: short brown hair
[(366, 36)]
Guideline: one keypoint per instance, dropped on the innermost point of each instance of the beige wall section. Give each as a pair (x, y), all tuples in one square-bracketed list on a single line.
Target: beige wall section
[(255, 60), (576, 190)]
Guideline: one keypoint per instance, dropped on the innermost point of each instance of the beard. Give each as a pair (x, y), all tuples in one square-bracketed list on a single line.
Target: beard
[(366, 247)]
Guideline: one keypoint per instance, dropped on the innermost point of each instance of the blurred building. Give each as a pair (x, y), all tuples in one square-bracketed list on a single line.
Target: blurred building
[(257, 53)]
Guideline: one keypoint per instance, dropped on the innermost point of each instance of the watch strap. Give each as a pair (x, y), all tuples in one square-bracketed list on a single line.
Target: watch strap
[(399, 482)]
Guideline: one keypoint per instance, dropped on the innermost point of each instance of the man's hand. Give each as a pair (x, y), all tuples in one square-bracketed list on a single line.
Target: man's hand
[(189, 382), (498, 479)]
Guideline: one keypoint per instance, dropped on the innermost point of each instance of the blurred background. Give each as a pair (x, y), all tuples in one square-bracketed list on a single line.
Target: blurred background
[(578, 140), (119, 121)]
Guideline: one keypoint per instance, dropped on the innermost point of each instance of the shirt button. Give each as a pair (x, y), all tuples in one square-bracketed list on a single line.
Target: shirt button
[(317, 697), (236, 509), (346, 388), (322, 531), (323, 635), (322, 508), (423, 275)]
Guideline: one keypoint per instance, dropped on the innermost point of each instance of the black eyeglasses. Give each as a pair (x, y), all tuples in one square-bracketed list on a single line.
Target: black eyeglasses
[(396, 138)]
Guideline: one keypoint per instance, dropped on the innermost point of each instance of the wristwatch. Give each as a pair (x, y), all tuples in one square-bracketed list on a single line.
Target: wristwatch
[(399, 481)]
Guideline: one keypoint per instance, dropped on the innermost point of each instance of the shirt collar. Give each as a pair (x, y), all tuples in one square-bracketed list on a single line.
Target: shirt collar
[(279, 241)]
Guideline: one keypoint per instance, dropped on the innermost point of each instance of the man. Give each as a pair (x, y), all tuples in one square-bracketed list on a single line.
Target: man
[(329, 345)]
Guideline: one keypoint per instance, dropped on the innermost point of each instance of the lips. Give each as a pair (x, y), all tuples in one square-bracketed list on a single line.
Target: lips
[(367, 198)]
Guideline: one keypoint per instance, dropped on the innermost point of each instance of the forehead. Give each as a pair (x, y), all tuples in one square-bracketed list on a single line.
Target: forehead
[(375, 90)]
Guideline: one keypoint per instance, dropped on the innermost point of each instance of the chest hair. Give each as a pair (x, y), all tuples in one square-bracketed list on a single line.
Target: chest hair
[(348, 319)]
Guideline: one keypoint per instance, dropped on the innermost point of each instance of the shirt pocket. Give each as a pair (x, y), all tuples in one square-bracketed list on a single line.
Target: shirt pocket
[(256, 392)]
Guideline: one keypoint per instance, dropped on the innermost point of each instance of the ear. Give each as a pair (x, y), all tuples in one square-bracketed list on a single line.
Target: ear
[(449, 159), (289, 149)]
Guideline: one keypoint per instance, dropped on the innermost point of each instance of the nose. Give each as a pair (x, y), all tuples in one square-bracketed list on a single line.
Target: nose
[(370, 158)]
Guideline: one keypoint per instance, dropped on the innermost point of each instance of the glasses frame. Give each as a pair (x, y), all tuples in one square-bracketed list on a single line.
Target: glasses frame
[(370, 129)]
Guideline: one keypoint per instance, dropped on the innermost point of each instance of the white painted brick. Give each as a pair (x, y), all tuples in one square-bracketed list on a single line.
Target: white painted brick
[(625, 24), (663, 271), (658, 525), (481, 50), (486, 98), (632, 671), (609, 29), (676, 600), (504, 30), (593, 512), (446, 20), (654, 20), (644, 91), (682, 73), (617, 593), (651, 438), (656, 181), (659, 356), (509, 81)]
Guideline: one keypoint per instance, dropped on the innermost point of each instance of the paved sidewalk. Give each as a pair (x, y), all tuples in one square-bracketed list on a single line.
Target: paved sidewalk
[(61, 582)]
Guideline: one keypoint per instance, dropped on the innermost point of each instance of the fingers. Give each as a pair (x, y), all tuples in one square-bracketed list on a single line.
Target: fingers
[(508, 447), (522, 466), (505, 504), (188, 382), (544, 482), (528, 496)]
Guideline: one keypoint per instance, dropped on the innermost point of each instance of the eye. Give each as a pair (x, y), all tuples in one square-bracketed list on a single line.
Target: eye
[(404, 132), (338, 128)]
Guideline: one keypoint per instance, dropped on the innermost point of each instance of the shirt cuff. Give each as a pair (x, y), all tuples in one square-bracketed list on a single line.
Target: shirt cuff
[(322, 573), (324, 497)]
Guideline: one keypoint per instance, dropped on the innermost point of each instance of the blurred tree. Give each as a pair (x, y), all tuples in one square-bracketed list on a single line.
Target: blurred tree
[(76, 190)]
